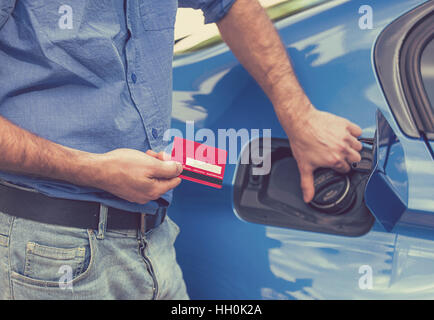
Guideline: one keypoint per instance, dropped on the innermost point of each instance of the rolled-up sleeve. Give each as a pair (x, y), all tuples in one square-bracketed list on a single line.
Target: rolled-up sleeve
[(6, 7), (213, 10)]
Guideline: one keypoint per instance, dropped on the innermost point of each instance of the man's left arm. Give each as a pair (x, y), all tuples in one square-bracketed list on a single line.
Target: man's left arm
[(318, 139)]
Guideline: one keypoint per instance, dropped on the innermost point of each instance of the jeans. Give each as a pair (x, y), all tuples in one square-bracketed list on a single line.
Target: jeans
[(41, 261)]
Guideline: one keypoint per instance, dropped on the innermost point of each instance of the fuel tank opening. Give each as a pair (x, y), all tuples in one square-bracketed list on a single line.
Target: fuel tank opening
[(276, 198)]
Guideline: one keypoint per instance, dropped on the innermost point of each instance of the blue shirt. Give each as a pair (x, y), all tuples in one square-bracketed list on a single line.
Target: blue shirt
[(93, 75)]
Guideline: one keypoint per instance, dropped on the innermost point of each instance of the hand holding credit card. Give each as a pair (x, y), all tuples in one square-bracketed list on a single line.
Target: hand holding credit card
[(201, 163)]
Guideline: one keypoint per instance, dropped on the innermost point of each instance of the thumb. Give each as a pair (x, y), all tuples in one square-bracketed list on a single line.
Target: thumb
[(307, 185), (166, 169)]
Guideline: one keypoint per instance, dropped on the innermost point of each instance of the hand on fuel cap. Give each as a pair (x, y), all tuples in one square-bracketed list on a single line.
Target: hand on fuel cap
[(322, 140)]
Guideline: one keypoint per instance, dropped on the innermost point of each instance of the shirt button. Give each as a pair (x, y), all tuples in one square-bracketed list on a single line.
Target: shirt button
[(133, 77), (155, 133)]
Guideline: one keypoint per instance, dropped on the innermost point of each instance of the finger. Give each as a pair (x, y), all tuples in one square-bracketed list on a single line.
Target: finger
[(307, 186), (353, 156), (166, 169), (342, 167), (165, 185), (354, 129), (163, 156), (151, 153), (354, 143)]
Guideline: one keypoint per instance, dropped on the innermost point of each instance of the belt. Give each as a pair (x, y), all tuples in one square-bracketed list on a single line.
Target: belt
[(72, 213)]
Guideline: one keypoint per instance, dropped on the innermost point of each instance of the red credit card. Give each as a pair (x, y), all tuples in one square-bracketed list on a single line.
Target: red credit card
[(201, 163)]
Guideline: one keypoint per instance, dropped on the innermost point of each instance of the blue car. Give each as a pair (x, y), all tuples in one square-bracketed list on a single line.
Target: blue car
[(255, 238)]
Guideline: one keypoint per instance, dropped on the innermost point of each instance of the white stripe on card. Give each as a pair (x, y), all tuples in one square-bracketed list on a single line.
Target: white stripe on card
[(203, 165)]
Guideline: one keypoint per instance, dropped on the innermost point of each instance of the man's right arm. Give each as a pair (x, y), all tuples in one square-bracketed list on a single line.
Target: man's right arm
[(126, 173)]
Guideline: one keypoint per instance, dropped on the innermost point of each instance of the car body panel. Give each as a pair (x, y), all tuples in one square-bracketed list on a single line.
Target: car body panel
[(404, 176), (223, 257), (404, 173)]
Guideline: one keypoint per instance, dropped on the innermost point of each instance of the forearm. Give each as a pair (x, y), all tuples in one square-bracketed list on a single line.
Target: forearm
[(24, 152), (255, 42)]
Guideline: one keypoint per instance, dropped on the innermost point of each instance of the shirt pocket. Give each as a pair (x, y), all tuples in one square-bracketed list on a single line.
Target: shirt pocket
[(158, 15), (81, 21)]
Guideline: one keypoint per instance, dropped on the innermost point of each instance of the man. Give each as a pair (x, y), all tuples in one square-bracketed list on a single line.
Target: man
[(85, 97)]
